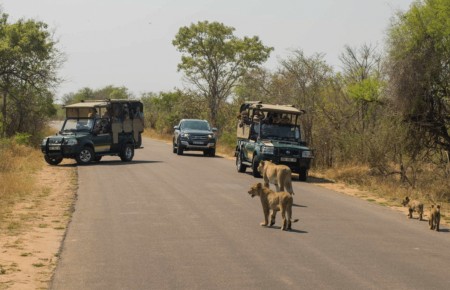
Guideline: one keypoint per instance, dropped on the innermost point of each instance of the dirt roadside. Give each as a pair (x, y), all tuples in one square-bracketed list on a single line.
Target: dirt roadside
[(31, 239)]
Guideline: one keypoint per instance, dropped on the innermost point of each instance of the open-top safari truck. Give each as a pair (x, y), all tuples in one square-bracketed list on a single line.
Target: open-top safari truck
[(95, 128), (271, 132)]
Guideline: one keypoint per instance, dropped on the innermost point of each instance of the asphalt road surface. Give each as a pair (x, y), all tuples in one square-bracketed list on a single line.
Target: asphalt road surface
[(187, 222)]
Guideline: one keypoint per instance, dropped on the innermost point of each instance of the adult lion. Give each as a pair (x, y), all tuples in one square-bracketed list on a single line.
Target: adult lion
[(280, 175), (272, 202)]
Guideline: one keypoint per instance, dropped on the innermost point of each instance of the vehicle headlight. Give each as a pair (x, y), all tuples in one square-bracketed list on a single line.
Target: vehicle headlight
[(267, 150), (211, 136), (185, 135), (44, 141), (307, 154), (71, 142)]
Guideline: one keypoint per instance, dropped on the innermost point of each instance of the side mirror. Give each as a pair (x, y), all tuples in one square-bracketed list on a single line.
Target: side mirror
[(176, 127)]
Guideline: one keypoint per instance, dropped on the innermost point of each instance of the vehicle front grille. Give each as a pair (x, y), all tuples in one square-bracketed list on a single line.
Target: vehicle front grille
[(288, 152), (199, 138), (54, 141)]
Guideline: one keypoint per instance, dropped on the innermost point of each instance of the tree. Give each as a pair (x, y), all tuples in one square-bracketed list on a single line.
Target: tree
[(213, 60), (28, 64), (108, 92), (362, 76), (307, 76), (419, 71), (165, 109)]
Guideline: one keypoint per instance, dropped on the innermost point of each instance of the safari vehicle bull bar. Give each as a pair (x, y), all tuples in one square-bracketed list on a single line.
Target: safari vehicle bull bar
[(54, 152)]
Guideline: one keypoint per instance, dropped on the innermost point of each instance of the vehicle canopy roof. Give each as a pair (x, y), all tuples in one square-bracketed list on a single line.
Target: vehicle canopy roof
[(84, 108), (99, 103), (287, 109)]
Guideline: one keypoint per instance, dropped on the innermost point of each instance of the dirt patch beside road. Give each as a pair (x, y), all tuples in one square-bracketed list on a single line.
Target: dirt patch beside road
[(31, 235), (375, 198)]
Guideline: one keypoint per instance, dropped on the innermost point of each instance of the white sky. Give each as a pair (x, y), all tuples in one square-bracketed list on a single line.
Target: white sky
[(129, 42)]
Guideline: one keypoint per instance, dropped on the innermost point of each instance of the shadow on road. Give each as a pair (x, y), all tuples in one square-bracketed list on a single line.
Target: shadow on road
[(298, 205), (290, 231), (311, 179), (108, 162), (118, 162), (198, 155)]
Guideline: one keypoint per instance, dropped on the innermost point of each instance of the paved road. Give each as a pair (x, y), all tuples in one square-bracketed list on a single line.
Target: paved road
[(186, 222)]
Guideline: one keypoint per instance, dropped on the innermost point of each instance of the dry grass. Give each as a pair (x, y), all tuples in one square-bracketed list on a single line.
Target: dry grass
[(17, 165), (155, 135), (389, 188)]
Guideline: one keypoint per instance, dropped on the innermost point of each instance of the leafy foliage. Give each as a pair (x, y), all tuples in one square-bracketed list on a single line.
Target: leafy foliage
[(213, 60), (108, 92), (28, 65), (164, 110), (419, 70)]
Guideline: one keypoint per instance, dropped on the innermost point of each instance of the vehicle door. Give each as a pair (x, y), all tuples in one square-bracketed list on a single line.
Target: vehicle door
[(102, 137)]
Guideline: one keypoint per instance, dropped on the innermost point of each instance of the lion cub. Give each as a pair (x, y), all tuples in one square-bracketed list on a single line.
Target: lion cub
[(280, 175), (435, 217), (413, 205), (274, 201)]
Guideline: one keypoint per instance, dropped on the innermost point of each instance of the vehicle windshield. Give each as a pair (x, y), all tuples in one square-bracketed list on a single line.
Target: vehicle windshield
[(280, 132), (78, 125), (195, 125)]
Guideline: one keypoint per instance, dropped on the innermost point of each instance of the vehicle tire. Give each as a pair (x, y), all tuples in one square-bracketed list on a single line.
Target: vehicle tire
[(255, 163), (97, 158), (174, 148), (303, 174), (138, 142), (179, 148), (212, 152), (240, 167), (85, 156), (53, 160), (127, 153)]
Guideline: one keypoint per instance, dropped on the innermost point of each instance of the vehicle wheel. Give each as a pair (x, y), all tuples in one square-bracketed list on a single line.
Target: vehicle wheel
[(127, 153), (303, 174), (240, 167), (174, 148), (85, 156), (179, 148), (212, 152), (138, 143), (53, 160), (98, 158), (255, 163)]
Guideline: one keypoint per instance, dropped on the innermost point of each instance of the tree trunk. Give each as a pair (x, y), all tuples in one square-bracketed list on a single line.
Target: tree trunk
[(4, 116)]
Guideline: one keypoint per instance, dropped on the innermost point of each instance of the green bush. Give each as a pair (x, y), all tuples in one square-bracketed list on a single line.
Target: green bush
[(22, 138)]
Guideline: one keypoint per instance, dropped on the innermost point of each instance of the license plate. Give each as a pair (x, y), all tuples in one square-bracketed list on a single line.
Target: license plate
[(197, 143), (288, 159), (53, 147)]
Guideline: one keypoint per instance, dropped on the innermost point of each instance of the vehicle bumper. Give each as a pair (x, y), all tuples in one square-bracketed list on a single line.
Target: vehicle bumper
[(189, 146), (62, 150), (296, 166)]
